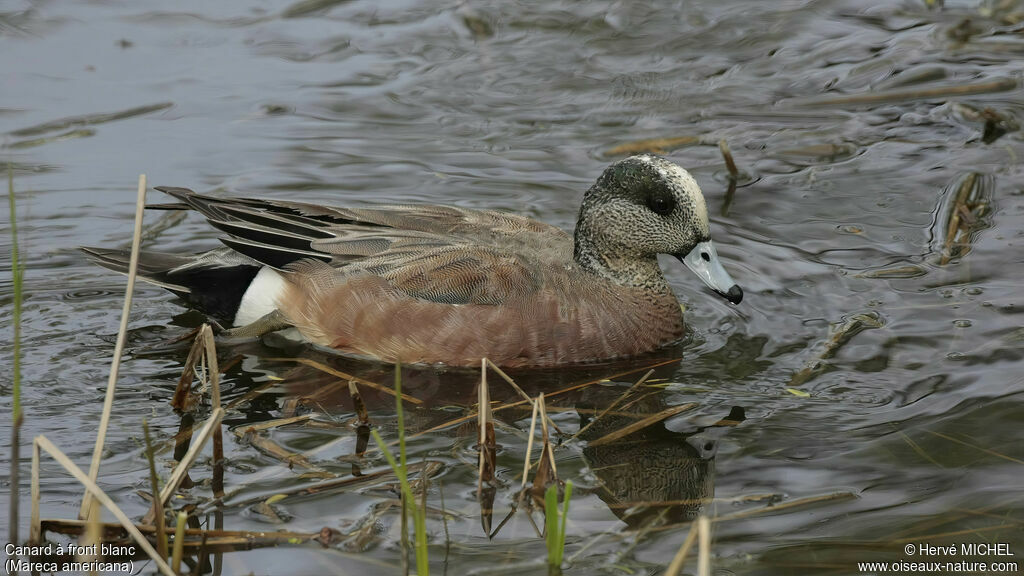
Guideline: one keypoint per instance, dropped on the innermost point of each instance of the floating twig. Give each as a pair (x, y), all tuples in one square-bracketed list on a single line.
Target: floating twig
[(653, 145), (840, 336), (956, 221), (998, 85), (617, 401), (641, 424), (275, 450), (325, 368)]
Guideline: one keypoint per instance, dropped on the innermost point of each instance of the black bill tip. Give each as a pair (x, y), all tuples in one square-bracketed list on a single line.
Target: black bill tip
[(734, 295)]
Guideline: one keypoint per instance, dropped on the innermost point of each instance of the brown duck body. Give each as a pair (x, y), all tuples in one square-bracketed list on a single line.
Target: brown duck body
[(565, 320), (440, 284)]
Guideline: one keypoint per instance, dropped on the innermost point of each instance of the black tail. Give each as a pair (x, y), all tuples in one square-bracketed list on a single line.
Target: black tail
[(213, 282)]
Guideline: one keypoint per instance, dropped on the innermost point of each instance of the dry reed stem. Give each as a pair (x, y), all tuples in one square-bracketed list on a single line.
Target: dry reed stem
[(358, 405), (210, 349), (519, 390), (969, 445), (34, 532), (679, 560), (546, 471), (730, 164), (543, 413), (269, 424), (183, 399), (617, 401), (485, 436), (730, 192), (529, 445), (41, 442), (108, 400), (953, 228), (325, 368), (179, 542), (206, 336), (704, 557), (572, 388), (92, 536), (182, 468), (15, 481), (158, 514), (16, 412), (641, 424), (333, 484)]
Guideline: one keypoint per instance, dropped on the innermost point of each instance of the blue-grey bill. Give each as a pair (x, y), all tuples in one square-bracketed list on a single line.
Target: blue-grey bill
[(704, 262)]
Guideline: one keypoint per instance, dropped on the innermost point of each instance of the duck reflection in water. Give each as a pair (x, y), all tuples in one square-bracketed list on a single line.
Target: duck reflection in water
[(658, 474), (654, 475)]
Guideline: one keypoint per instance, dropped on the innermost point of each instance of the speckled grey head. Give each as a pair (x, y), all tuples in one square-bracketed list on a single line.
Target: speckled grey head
[(644, 206)]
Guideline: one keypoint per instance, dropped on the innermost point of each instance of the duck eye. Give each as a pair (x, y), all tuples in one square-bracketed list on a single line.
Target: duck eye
[(661, 204)]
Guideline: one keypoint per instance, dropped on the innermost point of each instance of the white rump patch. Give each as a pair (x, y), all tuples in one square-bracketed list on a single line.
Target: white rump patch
[(260, 297)]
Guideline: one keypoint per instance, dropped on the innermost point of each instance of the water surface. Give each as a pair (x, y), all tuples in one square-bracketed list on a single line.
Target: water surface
[(913, 421)]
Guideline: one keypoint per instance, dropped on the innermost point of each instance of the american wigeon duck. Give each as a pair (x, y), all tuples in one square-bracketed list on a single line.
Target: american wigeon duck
[(440, 284)]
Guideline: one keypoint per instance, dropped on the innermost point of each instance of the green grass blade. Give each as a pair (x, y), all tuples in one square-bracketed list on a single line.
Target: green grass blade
[(16, 276), (402, 471), (555, 524), (16, 415), (551, 524), (565, 517)]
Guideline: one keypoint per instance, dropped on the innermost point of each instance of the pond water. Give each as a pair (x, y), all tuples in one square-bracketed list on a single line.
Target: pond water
[(866, 395)]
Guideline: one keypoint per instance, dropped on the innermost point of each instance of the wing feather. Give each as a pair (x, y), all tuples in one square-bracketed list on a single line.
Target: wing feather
[(443, 254)]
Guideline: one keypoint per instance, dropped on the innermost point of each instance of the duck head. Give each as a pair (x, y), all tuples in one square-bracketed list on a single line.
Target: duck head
[(643, 206)]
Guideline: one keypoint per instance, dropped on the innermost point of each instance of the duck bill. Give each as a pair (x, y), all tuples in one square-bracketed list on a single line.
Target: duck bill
[(704, 262)]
